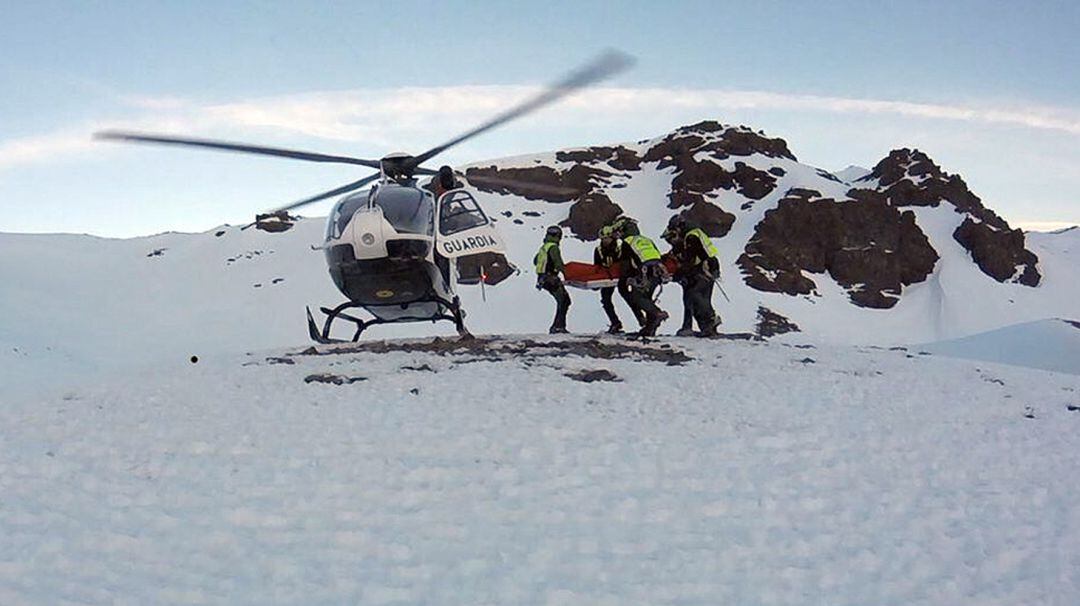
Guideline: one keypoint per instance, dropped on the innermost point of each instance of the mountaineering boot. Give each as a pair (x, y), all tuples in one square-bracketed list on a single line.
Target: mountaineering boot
[(709, 329), (685, 331), (649, 330), (558, 330), (615, 329)]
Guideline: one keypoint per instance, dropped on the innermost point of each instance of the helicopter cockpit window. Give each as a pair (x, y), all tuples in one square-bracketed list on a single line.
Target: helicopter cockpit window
[(459, 211), (409, 210), (343, 213)]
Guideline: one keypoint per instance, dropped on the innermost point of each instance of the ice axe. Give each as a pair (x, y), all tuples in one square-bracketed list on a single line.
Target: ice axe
[(718, 285)]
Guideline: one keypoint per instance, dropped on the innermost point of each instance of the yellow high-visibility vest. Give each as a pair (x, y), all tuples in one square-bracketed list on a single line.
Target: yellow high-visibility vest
[(706, 243), (644, 249), (541, 258)]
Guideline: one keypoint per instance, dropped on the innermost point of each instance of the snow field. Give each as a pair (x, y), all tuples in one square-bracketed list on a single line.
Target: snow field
[(754, 474)]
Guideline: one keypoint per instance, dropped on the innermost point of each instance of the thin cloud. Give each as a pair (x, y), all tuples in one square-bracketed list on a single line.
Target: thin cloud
[(28, 150), (388, 116)]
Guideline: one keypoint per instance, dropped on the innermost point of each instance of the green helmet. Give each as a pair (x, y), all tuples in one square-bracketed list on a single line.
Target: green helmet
[(618, 227)]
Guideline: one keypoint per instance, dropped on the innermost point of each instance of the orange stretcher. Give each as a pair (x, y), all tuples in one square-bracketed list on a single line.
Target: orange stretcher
[(595, 277)]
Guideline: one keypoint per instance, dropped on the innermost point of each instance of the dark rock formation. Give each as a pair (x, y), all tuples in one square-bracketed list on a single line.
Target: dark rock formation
[(910, 178), (867, 246), (712, 219), (591, 213), (619, 158), (694, 179), (770, 323), (275, 222), (824, 174), (591, 376), (999, 253), (731, 141)]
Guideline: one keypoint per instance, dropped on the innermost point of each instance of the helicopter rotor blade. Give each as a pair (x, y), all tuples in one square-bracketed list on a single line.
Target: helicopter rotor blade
[(344, 189), (604, 66), (115, 135)]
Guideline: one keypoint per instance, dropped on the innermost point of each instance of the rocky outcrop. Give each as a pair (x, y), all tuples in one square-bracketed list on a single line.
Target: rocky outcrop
[(999, 253), (867, 246), (618, 158), (712, 219), (696, 181), (589, 214), (909, 177), (770, 323)]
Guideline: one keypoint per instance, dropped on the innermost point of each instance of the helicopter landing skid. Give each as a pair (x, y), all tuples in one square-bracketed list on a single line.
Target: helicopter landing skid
[(323, 336)]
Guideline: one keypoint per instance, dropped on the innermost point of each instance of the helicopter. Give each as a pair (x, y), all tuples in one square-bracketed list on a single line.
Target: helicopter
[(392, 249)]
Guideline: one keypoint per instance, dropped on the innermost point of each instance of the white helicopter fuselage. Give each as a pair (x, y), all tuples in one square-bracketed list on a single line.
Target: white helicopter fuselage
[(392, 249)]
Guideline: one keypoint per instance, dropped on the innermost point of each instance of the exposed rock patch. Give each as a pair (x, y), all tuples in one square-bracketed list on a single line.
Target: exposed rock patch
[(770, 323), (909, 177), (712, 219), (695, 181), (619, 158), (999, 253), (332, 379), (485, 349), (591, 376), (591, 213), (867, 246)]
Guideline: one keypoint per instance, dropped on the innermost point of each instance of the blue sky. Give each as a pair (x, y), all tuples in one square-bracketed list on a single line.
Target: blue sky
[(989, 89)]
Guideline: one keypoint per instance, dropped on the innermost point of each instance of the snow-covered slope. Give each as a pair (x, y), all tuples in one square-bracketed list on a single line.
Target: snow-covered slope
[(1047, 344), (744, 473), (852, 173)]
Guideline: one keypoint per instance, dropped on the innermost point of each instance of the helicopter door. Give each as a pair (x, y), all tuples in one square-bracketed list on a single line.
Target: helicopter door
[(463, 228)]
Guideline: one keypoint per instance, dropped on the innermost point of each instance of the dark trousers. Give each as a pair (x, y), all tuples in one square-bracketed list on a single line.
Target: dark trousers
[(609, 306), (697, 300), (641, 293), (562, 301)]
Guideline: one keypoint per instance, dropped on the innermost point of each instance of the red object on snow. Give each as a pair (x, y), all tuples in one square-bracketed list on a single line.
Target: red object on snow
[(587, 275), (593, 277)]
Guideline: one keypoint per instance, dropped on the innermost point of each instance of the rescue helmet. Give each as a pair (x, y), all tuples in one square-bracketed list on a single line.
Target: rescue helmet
[(446, 178), (678, 224)]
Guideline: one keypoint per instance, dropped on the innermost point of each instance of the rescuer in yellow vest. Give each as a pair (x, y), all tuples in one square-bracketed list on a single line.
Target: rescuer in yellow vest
[(549, 266), (699, 266), (608, 254), (646, 273)]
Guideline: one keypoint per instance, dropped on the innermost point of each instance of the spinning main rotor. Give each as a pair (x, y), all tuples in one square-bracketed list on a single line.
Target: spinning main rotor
[(398, 166)]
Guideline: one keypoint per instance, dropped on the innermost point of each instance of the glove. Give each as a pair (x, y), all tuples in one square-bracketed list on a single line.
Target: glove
[(712, 268)]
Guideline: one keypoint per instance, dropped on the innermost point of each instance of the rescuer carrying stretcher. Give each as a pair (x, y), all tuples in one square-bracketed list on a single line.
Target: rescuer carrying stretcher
[(699, 267), (645, 270), (608, 254)]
